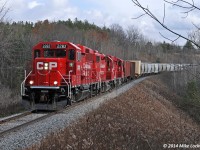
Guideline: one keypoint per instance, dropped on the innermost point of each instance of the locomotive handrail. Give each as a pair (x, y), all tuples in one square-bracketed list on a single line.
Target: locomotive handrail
[(68, 84), (122, 65), (112, 66), (22, 84), (87, 72), (99, 74)]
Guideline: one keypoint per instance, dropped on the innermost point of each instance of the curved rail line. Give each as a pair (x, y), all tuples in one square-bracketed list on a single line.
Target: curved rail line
[(19, 122), (15, 117), (18, 117)]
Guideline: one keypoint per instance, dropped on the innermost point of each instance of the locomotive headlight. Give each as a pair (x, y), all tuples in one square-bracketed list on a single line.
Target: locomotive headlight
[(46, 65), (55, 82), (71, 64), (31, 82)]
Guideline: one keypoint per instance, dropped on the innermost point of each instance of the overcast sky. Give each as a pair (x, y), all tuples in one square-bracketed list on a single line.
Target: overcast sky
[(106, 12)]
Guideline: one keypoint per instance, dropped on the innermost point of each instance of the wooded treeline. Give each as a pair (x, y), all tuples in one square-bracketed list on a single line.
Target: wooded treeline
[(18, 38)]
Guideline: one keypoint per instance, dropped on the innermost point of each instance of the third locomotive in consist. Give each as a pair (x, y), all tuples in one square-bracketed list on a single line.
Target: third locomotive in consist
[(63, 72)]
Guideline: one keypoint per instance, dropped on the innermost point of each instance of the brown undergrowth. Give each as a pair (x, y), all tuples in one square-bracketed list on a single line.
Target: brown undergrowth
[(9, 103), (142, 118)]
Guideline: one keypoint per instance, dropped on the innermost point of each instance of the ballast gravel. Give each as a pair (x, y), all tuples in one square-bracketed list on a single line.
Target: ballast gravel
[(34, 133), (19, 121)]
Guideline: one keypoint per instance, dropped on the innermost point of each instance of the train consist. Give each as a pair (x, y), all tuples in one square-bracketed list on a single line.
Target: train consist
[(63, 72)]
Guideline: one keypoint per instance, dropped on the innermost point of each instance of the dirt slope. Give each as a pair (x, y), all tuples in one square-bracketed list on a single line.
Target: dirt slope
[(142, 118)]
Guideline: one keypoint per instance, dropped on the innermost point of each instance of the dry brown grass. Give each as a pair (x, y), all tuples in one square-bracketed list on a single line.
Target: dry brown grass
[(9, 103), (141, 118)]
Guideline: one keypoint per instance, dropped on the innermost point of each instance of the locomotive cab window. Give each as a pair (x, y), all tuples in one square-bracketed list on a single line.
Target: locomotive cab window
[(71, 54), (108, 63), (78, 56), (48, 53), (60, 53), (36, 53), (87, 50), (98, 58)]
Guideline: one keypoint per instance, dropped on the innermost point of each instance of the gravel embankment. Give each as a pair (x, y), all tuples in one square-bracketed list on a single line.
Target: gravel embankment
[(33, 134)]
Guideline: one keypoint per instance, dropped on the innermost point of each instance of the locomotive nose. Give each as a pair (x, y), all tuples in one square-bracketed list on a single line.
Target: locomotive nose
[(47, 72)]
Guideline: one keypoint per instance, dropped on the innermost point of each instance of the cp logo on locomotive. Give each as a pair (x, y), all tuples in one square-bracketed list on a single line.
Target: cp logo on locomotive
[(46, 66)]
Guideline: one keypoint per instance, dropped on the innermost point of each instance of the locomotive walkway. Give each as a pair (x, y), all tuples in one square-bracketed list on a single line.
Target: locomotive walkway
[(35, 132)]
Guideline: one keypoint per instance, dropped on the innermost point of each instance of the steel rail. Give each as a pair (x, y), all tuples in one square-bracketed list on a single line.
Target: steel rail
[(65, 110), (15, 117)]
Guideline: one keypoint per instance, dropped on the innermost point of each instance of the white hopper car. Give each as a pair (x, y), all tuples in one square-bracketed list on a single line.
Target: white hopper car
[(141, 69)]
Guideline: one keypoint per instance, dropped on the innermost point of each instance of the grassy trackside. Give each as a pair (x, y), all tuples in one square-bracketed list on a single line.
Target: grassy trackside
[(142, 118), (9, 104)]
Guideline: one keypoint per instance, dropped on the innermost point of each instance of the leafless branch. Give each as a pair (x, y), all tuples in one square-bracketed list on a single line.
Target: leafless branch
[(185, 16), (139, 16), (190, 5), (150, 14), (164, 15), (3, 11), (189, 10), (169, 39), (198, 28)]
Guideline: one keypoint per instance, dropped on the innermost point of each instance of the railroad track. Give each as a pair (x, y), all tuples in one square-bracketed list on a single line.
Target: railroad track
[(25, 119), (7, 119), (15, 123), (27, 135), (20, 121)]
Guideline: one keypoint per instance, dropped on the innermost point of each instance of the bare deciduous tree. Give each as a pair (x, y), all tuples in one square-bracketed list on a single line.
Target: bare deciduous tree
[(133, 34), (3, 10)]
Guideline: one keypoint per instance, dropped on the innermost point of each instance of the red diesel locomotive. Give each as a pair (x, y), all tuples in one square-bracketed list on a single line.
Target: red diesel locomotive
[(63, 72)]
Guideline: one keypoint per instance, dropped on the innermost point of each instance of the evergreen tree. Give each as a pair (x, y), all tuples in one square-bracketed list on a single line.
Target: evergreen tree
[(188, 45)]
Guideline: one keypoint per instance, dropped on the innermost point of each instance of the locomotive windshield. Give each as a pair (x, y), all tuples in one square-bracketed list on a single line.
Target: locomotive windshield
[(71, 54), (55, 53), (36, 53)]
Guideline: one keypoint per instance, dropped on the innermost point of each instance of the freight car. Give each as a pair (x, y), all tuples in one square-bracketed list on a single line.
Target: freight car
[(139, 68), (63, 72)]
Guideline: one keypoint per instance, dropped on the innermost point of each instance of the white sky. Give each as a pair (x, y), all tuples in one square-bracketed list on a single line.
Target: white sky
[(106, 12)]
